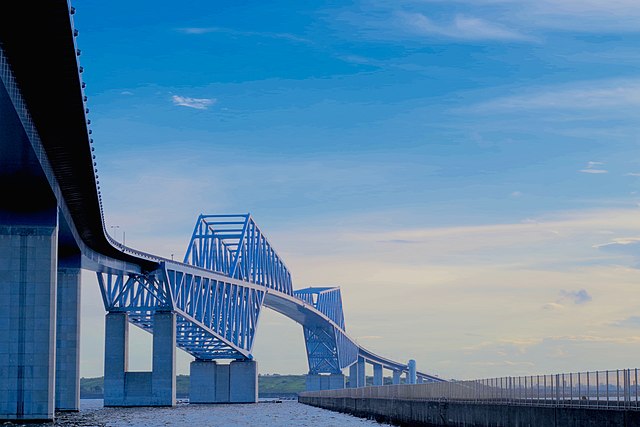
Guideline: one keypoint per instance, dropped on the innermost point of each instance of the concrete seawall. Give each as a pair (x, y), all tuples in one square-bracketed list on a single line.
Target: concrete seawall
[(405, 412)]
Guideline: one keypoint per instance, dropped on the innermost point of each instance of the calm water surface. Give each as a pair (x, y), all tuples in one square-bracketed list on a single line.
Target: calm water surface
[(265, 413)]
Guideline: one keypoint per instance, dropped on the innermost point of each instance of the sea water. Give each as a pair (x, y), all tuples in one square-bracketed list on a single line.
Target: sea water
[(267, 412)]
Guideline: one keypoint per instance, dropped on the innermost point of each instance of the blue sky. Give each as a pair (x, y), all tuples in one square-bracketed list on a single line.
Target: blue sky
[(467, 171)]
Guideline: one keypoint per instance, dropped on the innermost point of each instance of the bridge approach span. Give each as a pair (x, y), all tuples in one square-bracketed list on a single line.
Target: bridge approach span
[(47, 153)]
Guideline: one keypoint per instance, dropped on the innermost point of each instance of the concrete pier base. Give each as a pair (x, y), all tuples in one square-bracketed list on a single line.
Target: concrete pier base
[(411, 375), (28, 264), (202, 381), (243, 381), (377, 374), (353, 375), (236, 382), (67, 395), (361, 378), (396, 377), (155, 388), (324, 382)]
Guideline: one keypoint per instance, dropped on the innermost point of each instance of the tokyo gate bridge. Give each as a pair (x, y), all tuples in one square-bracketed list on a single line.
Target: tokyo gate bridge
[(52, 227)]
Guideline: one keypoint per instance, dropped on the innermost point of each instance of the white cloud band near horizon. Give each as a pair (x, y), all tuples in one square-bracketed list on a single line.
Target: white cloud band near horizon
[(197, 103)]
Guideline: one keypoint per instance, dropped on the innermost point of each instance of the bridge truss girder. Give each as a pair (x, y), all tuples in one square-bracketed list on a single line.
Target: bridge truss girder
[(329, 350), (216, 317), (235, 246)]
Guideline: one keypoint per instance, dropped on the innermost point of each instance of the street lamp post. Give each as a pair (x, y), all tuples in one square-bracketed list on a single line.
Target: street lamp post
[(115, 234)]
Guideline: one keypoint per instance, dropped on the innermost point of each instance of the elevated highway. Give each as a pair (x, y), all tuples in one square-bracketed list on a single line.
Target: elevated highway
[(52, 226)]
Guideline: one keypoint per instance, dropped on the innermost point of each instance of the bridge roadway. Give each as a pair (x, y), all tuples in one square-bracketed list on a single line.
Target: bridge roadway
[(51, 227)]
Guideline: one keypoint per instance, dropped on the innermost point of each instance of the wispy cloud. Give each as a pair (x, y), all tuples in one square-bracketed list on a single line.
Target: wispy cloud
[(197, 103), (620, 241), (599, 94), (593, 167), (629, 322), (231, 31), (571, 15), (460, 27), (584, 15), (578, 297)]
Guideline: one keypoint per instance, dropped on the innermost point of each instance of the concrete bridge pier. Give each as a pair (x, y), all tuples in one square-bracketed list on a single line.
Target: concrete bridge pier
[(378, 378), (28, 264), (357, 373), (412, 373), (67, 385), (155, 388), (396, 376), (315, 382), (235, 382)]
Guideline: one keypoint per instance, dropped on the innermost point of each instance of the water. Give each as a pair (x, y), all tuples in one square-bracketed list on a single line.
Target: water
[(272, 413)]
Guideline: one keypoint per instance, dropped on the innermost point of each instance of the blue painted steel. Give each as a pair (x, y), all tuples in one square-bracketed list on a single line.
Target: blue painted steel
[(216, 316), (218, 293), (329, 350), (230, 269), (234, 246)]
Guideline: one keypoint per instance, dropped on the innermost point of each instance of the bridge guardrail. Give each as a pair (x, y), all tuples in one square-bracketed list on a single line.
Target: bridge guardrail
[(604, 389)]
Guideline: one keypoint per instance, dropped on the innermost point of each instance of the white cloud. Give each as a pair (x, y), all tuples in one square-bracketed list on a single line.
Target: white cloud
[(461, 27), (591, 168), (599, 94), (578, 297), (624, 241), (574, 15), (585, 15), (594, 171), (197, 103), (198, 30), (206, 30)]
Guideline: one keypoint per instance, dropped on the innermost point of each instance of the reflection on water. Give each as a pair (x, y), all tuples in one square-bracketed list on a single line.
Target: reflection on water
[(265, 413)]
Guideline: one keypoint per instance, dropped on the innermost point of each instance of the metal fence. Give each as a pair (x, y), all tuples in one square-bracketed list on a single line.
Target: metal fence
[(605, 389)]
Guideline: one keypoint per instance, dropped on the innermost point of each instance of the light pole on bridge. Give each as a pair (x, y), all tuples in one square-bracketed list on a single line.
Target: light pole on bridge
[(115, 236)]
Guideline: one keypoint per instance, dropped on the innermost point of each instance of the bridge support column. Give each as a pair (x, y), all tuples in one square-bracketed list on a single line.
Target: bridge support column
[(163, 376), (361, 378), (68, 340), (28, 264), (155, 388), (412, 374), (243, 381), (116, 356), (236, 382), (396, 377), (202, 381), (353, 375), (377, 374), (315, 382)]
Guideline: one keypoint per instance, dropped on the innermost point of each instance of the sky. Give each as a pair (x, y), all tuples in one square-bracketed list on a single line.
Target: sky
[(467, 171)]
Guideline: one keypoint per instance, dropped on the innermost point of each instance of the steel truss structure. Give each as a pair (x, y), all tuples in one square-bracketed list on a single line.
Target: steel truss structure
[(218, 292), (234, 246), (329, 350), (216, 316)]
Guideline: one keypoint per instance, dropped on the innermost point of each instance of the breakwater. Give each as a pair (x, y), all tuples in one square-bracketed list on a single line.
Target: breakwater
[(580, 399), (433, 413)]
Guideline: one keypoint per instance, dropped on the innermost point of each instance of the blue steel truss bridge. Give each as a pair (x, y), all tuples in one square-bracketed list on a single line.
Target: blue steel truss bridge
[(52, 227)]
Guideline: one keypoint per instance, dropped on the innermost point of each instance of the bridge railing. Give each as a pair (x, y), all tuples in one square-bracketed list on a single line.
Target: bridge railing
[(607, 389)]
